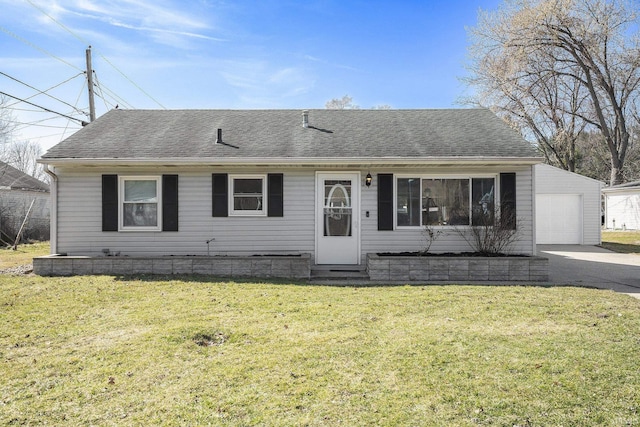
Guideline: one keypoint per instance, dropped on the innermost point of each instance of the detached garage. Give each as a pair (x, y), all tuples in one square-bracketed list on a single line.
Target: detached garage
[(568, 207), (622, 206)]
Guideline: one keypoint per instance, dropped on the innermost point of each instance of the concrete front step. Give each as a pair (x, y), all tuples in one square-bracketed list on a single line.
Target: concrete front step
[(339, 272), (339, 275)]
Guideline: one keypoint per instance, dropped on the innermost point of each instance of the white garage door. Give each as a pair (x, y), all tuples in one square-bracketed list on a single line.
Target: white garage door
[(558, 219)]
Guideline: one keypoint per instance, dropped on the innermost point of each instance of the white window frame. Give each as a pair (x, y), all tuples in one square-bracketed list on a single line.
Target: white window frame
[(121, 202), (420, 177), (251, 213)]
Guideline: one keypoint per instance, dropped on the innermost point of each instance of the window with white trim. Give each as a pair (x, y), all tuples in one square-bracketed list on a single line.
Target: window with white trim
[(444, 201), (247, 195), (140, 205)]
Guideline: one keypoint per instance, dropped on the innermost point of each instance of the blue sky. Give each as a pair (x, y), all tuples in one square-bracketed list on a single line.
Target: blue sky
[(230, 54)]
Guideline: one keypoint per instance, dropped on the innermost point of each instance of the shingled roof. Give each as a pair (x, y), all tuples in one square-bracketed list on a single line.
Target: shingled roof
[(279, 134), (15, 179)]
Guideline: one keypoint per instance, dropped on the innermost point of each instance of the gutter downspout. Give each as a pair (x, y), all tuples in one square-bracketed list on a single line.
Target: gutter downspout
[(53, 220), (533, 211)]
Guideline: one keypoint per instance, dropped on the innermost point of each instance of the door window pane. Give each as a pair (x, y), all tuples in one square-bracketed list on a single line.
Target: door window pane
[(337, 209)]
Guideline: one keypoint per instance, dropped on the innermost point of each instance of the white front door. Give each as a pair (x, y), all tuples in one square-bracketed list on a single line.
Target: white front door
[(338, 218)]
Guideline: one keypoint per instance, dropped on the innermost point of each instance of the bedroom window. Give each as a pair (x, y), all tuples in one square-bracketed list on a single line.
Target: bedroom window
[(247, 195), (444, 201), (140, 205)]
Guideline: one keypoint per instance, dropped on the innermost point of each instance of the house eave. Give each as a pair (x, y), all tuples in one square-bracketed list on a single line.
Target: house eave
[(293, 161), (610, 190)]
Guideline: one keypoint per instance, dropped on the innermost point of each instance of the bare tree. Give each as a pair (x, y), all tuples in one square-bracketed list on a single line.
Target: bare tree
[(22, 155), (344, 103), (7, 125), (593, 157), (557, 67)]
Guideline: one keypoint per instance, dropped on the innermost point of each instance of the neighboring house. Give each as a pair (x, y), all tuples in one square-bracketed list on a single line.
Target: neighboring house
[(336, 184), (17, 191), (622, 206), (568, 207)]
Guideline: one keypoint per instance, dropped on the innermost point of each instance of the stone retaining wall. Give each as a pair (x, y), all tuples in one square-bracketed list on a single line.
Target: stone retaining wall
[(435, 268), (290, 267)]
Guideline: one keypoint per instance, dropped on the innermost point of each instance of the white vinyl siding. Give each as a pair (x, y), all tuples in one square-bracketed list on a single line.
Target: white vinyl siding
[(80, 212), (557, 182)]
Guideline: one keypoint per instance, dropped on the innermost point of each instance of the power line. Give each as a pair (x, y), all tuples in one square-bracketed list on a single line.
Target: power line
[(26, 125), (52, 87), (35, 122), (113, 95), (77, 100), (101, 94), (44, 108), (28, 43), (51, 135), (101, 56), (132, 82), (41, 92)]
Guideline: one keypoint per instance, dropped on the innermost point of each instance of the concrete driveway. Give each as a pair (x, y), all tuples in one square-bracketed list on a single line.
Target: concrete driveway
[(594, 267)]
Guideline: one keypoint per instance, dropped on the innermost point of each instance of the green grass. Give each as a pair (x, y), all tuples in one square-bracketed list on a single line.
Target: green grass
[(22, 255), (621, 241), (136, 351)]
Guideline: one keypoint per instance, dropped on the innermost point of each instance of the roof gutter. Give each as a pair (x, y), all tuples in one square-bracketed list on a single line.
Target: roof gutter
[(621, 189), (53, 220), (291, 161)]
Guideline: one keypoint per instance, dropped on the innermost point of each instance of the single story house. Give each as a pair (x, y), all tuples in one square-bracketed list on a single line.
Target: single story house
[(334, 185), (622, 206), (568, 207), (18, 193)]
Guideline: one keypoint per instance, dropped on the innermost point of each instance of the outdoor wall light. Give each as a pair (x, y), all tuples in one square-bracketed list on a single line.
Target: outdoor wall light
[(367, 180)]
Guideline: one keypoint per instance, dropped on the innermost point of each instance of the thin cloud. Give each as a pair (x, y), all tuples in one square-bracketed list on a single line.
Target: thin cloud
[(262, 81), (160, 30), (141, 16), (332, 64)]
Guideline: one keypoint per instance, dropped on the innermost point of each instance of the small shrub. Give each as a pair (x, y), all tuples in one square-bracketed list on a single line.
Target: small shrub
[(430, 235), (492, 235)]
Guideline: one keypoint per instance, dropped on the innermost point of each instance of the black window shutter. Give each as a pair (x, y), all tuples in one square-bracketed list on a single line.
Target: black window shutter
[(109, 202), (508, 200), (220, 199), (169, 202), (385, 201), (275, 195)]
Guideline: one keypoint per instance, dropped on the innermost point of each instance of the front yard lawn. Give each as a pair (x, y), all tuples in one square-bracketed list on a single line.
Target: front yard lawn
[(164, 351), (621, 241), (24, 254)]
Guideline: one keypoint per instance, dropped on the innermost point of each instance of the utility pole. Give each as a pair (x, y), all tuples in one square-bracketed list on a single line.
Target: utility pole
[(92, 105)]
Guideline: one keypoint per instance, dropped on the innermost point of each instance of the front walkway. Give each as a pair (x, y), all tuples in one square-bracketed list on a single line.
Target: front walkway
[(594, 267)]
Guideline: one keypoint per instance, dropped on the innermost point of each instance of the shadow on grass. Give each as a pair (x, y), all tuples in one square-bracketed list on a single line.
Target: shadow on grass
[(203, 278), (622, 248)]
